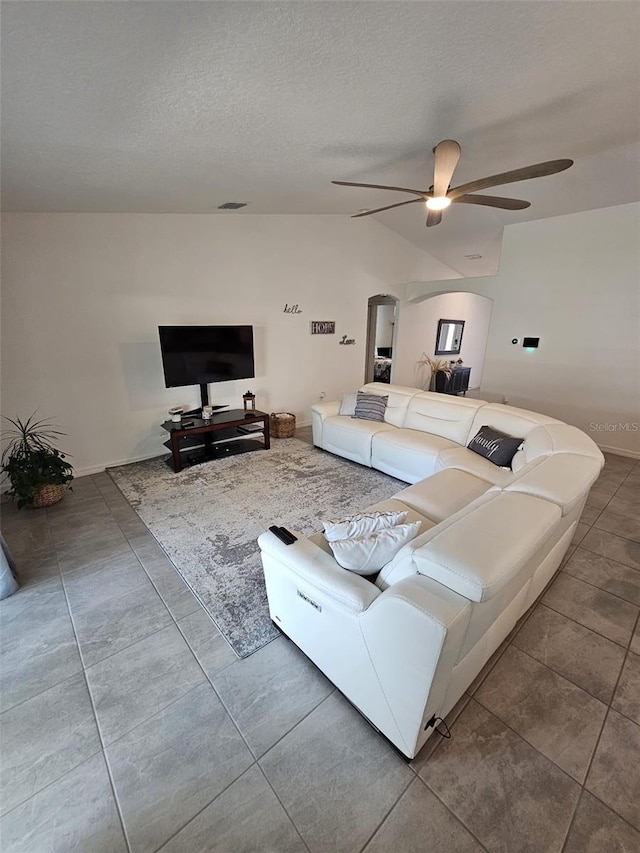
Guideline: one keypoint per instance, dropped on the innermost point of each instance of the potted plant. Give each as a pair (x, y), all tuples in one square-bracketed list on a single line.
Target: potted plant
[(435, 366), (38, 472)]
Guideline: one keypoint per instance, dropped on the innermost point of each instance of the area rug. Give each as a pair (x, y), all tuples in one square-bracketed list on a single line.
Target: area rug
[(207, 519)]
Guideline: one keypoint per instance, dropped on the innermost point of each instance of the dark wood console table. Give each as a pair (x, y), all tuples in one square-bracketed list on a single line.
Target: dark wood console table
[(225, 434), (456, 383)]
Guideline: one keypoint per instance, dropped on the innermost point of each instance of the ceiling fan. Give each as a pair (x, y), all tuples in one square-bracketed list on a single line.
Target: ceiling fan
[(440, 195)]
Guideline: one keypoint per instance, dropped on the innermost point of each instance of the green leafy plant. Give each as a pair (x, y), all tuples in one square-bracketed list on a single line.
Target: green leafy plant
[(31, 461)]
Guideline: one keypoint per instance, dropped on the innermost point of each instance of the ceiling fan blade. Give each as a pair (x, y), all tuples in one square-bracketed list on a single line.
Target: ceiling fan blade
[(434, 217), (380, 187), (388, 207), (493, 201), (446, 155), (539, 170)]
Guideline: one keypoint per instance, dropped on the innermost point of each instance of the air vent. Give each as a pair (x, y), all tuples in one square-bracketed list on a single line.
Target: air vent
[(232, 205), (473, 257)]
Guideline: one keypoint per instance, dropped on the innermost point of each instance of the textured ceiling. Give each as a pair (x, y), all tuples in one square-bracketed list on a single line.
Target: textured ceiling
[(181, 106)]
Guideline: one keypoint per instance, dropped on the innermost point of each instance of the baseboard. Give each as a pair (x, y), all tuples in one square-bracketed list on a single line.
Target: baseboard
[(620, 451), (97, 469)]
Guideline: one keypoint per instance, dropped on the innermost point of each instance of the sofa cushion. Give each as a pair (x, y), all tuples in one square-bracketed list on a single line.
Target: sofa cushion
[(498, 447), (508, 419), (362, 524), (559, 438), (564, 478), (399, 397), (466, 460), (442, 495), (442, 415), (486, 548), (366, 555), (348, 403), (350, 437), (370, 407), (395, 505), (408, 454)]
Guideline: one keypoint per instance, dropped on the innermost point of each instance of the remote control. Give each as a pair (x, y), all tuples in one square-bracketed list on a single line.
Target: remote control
[(188, 423), (289, 534), (283, 534)]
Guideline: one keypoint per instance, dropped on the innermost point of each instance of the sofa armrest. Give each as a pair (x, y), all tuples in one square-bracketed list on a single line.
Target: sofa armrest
[(319, 412), (414, 632), (327, 582)]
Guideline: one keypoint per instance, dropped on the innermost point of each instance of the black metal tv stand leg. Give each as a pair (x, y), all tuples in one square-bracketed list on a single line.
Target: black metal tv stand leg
[(204, 399), (204, 394)]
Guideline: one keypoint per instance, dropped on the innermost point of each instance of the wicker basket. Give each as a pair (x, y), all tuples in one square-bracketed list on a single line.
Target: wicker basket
[(48, 495), (282, 424)]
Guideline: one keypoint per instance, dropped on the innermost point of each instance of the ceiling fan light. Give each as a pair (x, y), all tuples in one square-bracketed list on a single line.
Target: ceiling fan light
[(438, 202)]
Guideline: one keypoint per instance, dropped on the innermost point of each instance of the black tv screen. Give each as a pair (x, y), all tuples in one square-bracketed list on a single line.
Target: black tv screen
[(197, 355)]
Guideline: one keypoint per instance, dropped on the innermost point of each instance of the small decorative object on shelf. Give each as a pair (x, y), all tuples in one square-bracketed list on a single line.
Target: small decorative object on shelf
[(207, 411), (176, 413), (249, 401), (282, 424)]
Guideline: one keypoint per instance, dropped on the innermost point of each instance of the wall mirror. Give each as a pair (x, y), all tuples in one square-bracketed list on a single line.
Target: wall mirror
[(449, 338)]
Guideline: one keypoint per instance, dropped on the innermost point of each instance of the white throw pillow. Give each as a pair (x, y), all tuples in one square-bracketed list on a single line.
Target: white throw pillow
[(368, 554), (362, 524), (348, 403)]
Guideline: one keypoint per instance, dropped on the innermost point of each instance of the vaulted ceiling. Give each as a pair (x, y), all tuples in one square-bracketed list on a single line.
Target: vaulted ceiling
[(181, 106)]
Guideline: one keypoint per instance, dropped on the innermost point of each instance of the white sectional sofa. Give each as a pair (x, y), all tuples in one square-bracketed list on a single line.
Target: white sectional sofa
[(404, 647)]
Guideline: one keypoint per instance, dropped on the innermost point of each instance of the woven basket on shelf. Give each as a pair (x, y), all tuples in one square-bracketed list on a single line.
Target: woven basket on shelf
[(282, 424), (48, 495)]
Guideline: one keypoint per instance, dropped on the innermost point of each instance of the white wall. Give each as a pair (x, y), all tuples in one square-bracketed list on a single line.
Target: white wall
[(418, 328), (573, 281), (83, 295)]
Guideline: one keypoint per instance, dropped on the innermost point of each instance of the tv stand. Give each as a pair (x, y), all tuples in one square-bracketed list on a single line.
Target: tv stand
[(226, 434)]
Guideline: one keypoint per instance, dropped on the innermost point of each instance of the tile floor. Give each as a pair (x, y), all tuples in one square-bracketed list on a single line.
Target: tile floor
[(129, 725)]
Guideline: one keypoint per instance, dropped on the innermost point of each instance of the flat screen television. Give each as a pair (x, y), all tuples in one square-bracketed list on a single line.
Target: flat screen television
[(198, 355)]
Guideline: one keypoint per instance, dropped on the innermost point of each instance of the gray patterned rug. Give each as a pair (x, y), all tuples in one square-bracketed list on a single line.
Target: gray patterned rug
[(207, 519)]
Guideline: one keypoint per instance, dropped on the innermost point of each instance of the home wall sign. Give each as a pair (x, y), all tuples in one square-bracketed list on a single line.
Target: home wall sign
[(291, 309), (347, 342), (323, 327)]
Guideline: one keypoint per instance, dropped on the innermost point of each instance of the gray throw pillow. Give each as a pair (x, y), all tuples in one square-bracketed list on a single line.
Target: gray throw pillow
[(370, 407), (496, 446)]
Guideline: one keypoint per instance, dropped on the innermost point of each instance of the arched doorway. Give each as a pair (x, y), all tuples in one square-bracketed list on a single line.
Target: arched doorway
[(417, 334), (381, 338)]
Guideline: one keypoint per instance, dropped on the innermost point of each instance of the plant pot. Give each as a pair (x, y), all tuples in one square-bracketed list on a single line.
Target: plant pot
[(441, 381), (48, 495)]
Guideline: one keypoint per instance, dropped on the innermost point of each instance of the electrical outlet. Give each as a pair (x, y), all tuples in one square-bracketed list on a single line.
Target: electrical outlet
[(322, 395)]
